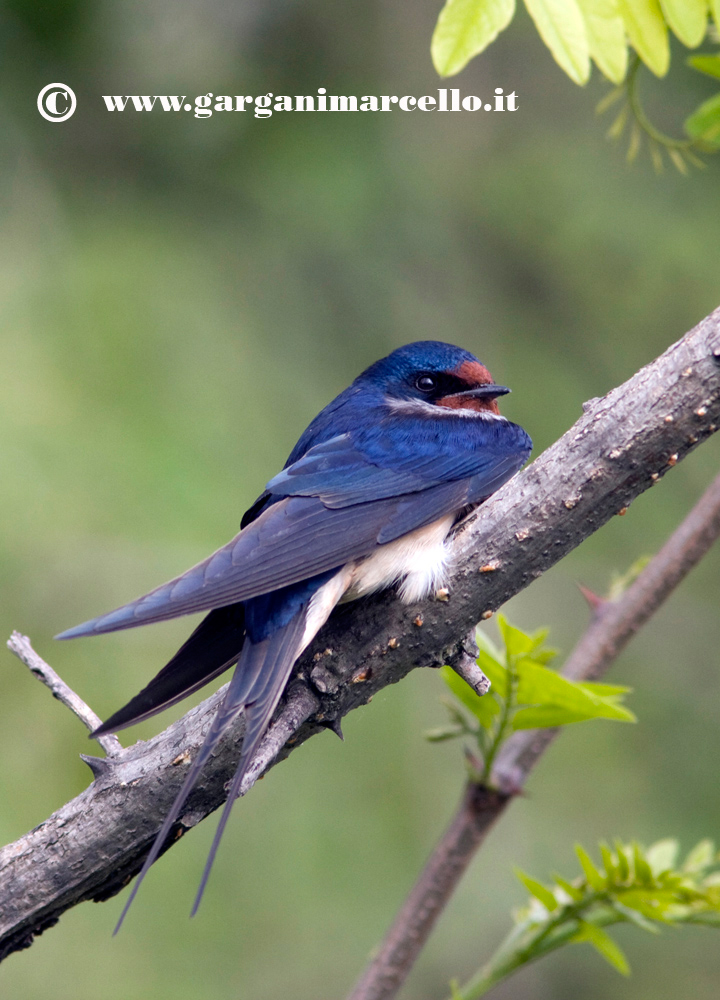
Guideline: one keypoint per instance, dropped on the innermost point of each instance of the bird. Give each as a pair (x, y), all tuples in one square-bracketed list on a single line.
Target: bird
[(366, 501)]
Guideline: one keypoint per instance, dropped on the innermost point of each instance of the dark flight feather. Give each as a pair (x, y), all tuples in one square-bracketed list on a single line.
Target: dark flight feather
[(256, 686), (211, 649), (294, 539), (274, 658)]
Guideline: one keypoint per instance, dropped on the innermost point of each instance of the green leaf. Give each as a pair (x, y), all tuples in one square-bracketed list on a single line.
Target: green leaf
[(604, 944), (616, 129), (487, 709), (494, 671), (541, 653), (634, 916), (706, 919), (442, 733), (562, 28), (572, 890), (485, 644), (604, 690), (538, 638), (701, 856), (677, 160), (662, 855), (464, 29), (517, 643), (647, 32), (687, 18), (539, 686), (608, 861), (623, 860), (704, 123), (484, 708), (544, 656), (643, 872), (595, 878), (546, 717), (710, 65), (606, 37), (651, 903), (538, 890), (715, 9)]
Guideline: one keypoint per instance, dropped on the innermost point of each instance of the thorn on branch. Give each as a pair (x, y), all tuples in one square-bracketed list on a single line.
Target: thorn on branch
[(98, 765), (595, 602), (333, 725)]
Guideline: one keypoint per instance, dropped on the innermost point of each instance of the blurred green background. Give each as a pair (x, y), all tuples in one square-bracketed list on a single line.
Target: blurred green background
[(178, 297)]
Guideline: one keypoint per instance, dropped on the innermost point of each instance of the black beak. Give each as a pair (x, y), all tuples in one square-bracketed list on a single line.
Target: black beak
[(483, 392)]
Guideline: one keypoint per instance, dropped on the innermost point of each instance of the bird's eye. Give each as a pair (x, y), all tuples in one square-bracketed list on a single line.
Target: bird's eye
[(425, 383)]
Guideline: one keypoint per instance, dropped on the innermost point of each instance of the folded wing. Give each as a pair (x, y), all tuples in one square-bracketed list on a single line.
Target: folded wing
[(354, 506)]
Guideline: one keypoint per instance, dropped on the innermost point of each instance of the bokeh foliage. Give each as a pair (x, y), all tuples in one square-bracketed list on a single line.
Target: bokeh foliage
[(578, 32), (178, 298), (619, 36)]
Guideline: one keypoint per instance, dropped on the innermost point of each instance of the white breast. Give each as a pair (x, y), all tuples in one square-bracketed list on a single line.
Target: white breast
[(420, 560), (417, 561)]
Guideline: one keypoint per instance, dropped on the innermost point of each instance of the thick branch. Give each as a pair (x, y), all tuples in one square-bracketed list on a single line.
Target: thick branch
[(621, 446), (612, 627)]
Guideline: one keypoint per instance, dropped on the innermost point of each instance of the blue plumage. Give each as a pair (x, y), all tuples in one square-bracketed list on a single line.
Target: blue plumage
[(366, 499)]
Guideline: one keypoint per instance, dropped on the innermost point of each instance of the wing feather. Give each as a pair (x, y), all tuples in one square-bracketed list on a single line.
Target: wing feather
[(355, 508), (348, 469), (256, 686), (211, 649)]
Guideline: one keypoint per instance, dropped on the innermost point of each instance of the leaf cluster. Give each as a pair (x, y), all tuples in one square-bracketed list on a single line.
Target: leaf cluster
[(580, 32), (525, 693), (702, 127), (577, 32), (644, 887)]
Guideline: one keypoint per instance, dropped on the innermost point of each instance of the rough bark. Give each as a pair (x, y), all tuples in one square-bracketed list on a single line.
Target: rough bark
[(623, 444)]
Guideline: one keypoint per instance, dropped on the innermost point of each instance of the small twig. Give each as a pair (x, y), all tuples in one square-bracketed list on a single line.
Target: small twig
[(612, 627), (20, 645), (465, 666)]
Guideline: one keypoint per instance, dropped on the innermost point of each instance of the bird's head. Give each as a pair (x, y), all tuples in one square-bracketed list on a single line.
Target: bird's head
[(431, 373)]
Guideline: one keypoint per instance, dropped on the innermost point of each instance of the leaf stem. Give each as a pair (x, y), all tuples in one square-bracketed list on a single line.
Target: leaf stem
[(508, 707), (641, 118), (548, 937)]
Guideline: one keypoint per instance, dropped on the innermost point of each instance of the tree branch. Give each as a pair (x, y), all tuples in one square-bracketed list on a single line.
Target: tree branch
[(613, 625), (92, 846)]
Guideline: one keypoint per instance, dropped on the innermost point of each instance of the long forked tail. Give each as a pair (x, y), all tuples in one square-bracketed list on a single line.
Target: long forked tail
[(211, 649), (256, 686), (277, 658)]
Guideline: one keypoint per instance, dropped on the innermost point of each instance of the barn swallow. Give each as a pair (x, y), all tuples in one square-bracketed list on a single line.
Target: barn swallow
[(365, 501)]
